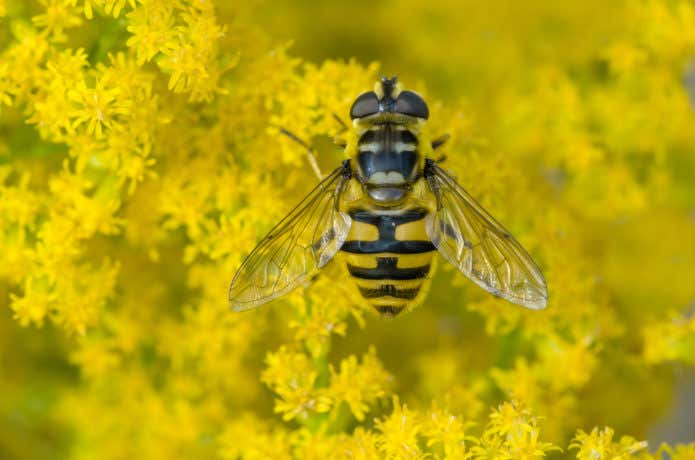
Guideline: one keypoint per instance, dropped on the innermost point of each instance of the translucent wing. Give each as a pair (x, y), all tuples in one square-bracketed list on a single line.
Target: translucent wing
[(471, 239), (296, 248)]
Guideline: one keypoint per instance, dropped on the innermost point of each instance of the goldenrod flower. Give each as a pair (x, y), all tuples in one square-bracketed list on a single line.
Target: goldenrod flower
[(141, 160), (399, 433), (599, 445), (97, 107)]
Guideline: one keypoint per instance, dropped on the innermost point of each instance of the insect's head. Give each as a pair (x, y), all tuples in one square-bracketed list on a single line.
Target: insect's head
[(389, 102), (386, 154)]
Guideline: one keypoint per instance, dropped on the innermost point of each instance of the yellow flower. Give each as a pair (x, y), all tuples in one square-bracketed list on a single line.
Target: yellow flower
[(599, 445), (512, 433), (190, 55), (98, 107), (114, 7), (110, 7), (58, 16), (491, 447), (251, 439), (151, 26), (292, 377), (35, 303), (6, 89), (399, 433), (141, 160), (446, 430), (670, 340), (359, 385)]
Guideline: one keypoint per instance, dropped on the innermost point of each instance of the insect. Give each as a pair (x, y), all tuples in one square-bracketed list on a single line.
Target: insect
[(388, 207)]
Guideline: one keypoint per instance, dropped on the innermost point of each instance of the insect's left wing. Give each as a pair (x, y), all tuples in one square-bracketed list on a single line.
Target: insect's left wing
[(473, 241), (296, 248)]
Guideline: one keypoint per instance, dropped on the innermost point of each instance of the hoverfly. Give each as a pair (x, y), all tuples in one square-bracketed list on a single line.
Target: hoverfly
[(388, 207)]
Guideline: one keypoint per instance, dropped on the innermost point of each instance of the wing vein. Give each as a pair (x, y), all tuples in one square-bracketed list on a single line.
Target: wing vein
[(293, 251), (480, 246)]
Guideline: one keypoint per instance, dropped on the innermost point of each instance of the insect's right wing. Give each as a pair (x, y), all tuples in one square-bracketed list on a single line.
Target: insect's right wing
[(296, 248), (479, 246)]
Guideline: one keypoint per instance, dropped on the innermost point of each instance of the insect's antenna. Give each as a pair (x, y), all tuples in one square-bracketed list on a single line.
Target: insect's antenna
[(309, 152), (339, 120), (388, 84)]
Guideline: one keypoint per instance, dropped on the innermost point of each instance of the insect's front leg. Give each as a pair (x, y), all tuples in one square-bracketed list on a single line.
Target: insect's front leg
[(437, 143), (441, 140)]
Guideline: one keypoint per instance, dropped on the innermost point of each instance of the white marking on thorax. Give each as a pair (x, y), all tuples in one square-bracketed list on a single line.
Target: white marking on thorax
[(374, 147), (399, 147)]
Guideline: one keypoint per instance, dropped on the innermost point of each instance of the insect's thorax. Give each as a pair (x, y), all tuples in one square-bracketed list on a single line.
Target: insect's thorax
[(388, 159)]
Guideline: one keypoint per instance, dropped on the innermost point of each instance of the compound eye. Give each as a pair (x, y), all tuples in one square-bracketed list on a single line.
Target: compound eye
[(410, 103), (365, 104)]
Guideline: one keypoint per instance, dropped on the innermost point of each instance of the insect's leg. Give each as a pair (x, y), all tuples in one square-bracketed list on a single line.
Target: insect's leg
[(441, 140), (438, 142), (309, 152)]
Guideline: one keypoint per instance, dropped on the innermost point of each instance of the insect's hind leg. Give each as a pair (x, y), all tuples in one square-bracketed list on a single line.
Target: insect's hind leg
[(311, 157)]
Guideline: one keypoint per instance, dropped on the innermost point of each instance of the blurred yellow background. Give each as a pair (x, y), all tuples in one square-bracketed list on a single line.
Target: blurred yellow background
[(140, 161)]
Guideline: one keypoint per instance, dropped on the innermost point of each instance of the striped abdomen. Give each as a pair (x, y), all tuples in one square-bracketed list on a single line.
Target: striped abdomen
[(389, 257)]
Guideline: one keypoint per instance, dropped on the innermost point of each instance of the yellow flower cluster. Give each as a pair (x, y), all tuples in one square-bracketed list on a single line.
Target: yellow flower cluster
[(141, 160)]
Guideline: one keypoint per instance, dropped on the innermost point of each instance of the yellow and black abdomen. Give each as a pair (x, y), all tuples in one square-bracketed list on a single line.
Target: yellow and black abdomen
[(389, 256)]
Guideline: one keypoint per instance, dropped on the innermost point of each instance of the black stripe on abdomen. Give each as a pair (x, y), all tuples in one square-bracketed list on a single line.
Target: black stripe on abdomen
[(386, 226), (389, 290), (386, 269), (394, 246)]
